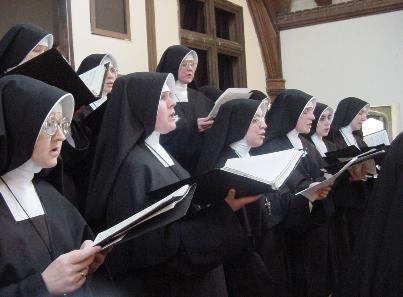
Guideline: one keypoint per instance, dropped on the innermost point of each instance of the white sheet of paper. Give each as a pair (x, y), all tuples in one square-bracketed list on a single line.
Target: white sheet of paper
[(114, 231), (228, 95)]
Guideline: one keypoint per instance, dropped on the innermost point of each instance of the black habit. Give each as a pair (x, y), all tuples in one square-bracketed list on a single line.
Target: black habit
[(309, 243), (17, 43), (77, 160), (185, 142), (28, 246), (182, 258), (350, 197), (261, 269), (376, 266)]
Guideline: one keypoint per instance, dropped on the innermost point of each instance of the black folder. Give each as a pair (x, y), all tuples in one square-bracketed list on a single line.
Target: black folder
[(337, 159), (51, 68), (215, 184), (248, 176), (139, 227)]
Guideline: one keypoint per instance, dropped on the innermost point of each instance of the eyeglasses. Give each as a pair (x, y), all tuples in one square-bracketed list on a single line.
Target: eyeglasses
[(52, 123), (186, 64), (113, 69)]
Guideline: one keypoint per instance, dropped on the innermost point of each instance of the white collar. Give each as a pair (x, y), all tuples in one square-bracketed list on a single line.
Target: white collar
[(153, 143), (20, 182), (181, 92), (347, 133), (319, 144), (241, 148), (295, 140)]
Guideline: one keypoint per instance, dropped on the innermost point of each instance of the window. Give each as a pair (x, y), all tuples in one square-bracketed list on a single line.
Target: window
[(214, 29), (110, 18)]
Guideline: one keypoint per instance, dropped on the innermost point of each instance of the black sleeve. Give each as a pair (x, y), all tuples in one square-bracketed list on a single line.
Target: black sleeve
[(32, 286), (191, 245)]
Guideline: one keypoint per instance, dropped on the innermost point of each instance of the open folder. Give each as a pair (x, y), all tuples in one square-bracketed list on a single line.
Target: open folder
[(165, 211), (248, 176), (355, 160), (337, 159), (228, 95), (51, 68)]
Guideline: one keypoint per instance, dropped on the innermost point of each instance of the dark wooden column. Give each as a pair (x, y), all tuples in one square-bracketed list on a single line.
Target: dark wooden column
[(269, 39)]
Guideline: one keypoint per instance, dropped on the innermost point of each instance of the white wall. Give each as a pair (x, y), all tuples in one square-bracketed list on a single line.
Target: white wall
[(132, 55), (361, 57)]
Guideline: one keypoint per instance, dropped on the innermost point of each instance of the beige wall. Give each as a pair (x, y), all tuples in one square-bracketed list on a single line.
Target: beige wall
[(361, 57), (132, 55)]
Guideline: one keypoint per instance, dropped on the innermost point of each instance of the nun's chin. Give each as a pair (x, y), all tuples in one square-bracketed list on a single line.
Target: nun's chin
[(170, 128)]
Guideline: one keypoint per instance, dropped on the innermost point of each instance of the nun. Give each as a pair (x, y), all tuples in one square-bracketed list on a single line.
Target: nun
[(351, 190), (350, 114), (307, 231), (95, 60), (22, 43), (261, 269), (44, 248), (183, 258), (320, 129), (376, 266), (77, 159), (258, 95), (192, 107)]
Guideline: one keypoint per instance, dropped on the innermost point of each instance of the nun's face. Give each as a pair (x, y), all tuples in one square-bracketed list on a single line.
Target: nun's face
[(256, 131), (323, 126), (360, 118), (186, 71), (36, 51), (166, 120), (47, 147), (304, 123), (111, 76)]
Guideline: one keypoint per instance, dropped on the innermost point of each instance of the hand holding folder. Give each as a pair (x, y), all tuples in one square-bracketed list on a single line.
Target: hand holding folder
[(328, 182), (248, 176)]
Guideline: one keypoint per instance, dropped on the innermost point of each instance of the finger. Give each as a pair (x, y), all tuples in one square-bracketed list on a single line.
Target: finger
[(86, 243), (249, 199), (83, 264), (78, 256)]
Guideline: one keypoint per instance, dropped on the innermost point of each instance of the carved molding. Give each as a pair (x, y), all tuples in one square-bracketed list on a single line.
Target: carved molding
[(269, 41), (336, 12)]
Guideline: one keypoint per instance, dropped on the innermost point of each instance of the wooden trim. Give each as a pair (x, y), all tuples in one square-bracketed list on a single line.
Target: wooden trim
[(199, 38), (63, 29), (336, 12), (151, 35), (269, 41), (108, 33)]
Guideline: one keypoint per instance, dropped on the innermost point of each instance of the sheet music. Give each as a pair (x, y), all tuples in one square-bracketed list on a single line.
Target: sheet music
[(273, 168), (141, 216), (331, 178), (228, 95), (377, 138), (94, 79)]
